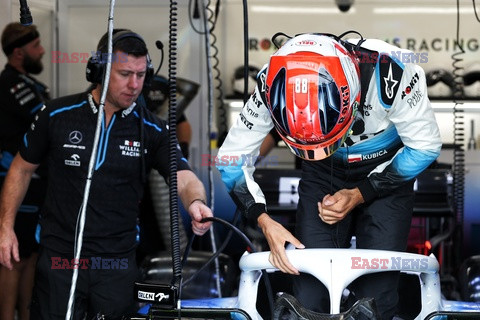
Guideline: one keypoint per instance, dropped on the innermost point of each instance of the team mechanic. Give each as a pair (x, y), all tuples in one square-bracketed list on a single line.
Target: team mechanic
[(21, 97), (132, 141), (359, 180)]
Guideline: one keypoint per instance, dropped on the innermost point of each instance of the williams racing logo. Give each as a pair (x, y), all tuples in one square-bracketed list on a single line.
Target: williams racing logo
[(362, 157), (130, 148)]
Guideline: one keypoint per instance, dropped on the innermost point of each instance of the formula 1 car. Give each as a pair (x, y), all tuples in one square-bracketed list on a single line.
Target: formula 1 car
[(336, 269)]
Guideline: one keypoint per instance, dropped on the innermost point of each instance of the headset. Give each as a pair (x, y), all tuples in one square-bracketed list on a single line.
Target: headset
[(96, 64)]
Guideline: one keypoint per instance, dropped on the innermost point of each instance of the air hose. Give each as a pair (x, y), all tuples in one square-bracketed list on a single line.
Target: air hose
[(172, 122), (459, 139)]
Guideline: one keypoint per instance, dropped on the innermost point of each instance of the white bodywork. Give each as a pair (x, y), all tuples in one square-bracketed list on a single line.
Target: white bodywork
[(334, 268)]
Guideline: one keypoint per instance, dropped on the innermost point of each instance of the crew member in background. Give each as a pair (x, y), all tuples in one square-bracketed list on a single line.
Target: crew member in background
[(21, 97), (364, 127)]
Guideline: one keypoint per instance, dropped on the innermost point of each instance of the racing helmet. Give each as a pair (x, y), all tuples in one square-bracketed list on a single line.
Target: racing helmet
[(312, 93)]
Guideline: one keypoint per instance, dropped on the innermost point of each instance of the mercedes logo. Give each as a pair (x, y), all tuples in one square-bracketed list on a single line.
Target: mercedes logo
[(75, 137)]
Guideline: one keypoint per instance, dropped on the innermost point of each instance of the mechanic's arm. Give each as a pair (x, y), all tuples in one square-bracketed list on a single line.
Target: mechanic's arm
[(192, 193), (14, 188)]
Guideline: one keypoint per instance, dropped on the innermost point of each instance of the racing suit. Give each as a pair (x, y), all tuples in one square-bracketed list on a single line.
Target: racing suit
[(394, 138), (21, 96)]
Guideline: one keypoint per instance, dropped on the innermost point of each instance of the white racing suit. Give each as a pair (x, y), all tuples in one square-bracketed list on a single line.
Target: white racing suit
[(394, 138)]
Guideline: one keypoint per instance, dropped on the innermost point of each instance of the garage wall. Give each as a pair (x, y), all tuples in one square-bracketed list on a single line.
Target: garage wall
[(426, 27)]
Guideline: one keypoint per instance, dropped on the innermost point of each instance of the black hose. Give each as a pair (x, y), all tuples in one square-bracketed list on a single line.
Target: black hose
[(265, 277), (215, 255), (172, 122), (458, 143)]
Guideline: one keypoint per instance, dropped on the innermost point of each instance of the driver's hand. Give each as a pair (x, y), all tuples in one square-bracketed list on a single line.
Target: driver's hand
[(277, 236)]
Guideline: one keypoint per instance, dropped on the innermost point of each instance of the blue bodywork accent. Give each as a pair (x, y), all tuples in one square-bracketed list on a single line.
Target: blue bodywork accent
[(209, 303), (466, 306)]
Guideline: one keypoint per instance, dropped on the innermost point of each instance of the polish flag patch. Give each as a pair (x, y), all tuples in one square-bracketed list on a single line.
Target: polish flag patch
[(354, 158)]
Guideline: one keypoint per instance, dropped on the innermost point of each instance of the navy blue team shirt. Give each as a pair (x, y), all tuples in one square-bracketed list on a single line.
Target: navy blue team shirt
[(63, 134)]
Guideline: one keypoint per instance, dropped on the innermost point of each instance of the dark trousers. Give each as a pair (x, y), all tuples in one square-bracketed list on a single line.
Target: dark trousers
[(104, 287), (382, 224)]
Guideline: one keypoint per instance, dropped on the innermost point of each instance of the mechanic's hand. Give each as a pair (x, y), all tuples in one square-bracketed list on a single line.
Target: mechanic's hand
[(277, 236), (8, 247), (334, 208), (198, 210)]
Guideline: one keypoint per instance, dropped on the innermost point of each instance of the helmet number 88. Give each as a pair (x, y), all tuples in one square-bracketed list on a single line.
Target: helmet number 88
[(301, 85)]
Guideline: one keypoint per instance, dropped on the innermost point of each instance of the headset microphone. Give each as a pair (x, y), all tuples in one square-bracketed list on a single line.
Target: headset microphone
[(159, 45), (25, 15)]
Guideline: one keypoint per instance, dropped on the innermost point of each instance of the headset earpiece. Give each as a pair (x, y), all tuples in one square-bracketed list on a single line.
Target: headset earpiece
[(96, 64), (95, 70)]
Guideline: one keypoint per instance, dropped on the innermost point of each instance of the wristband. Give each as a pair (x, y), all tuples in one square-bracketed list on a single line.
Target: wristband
[(201, 200)]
